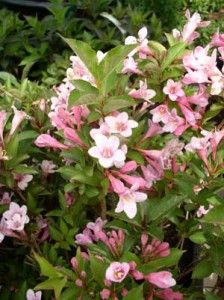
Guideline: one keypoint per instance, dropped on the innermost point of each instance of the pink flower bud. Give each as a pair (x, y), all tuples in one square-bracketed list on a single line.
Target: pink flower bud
[(74, 263), (78, 282), (105, 294), (124, 292), (161, 279), (45, 140), (144, 239)]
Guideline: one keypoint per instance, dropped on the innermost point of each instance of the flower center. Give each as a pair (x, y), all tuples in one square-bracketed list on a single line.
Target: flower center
[(121, 126), (118, 274), (107, 152)]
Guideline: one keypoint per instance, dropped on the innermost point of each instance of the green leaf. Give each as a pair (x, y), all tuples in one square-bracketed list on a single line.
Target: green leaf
[(211, 296), (173, 52), (135, 293), (202, 270), (198, 238), (110, 63), (72, 173), (159, 207), (214, 216), (117, 102), (56, 284), (86, 54), (163, 262), (27, 134), (70, 293), (135, 155), (23, 169), (98, 269), (77, 98), (46, 268), (84, 86)]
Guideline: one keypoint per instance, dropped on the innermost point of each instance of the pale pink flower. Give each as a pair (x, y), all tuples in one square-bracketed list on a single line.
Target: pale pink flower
[(42, 105), (160, 113), (3, 116), (169, 294), (128, 199), (215, 139), (79, 71), (45, 140), (190, 115), (217, 85), (194, 21), (19, 116), (173, 122), (218, 40), (103, 129), (117, 271), (31, 295), (22, 180), (130, 66), (120, 124), (142, 43), (96, 227), (6, 198), (161, 279), (48, 167), (61, 100), (200, 98), (195, 77), (198, 143), (202, 211), (221, 51), (16, 217), (84, 238), (107, 151), (173, 90), (143, 92)]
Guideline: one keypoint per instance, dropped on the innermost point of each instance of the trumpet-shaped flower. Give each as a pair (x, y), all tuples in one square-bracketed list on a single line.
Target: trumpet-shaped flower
[(16, 217), (143, 92), (173, 90), (107, 151), (117, 271), (161, 279), (128, 199), (120, 124)]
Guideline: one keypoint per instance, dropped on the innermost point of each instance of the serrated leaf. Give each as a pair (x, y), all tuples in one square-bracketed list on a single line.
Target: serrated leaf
[(46, 268)]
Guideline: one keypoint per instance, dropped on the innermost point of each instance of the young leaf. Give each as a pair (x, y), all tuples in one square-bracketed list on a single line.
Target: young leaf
[(135, 293), (202, 270), (98, 269), (45, 267), (77, 98)]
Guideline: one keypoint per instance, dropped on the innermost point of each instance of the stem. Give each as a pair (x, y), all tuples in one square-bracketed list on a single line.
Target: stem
[(103, 207)]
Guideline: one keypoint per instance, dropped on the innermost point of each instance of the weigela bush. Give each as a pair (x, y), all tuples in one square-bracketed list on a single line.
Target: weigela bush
[(105, 185)]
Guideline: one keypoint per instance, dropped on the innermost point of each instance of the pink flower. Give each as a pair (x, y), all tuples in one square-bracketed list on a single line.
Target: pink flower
[(19, 116), (120, 124), (160, 113), (200, 98), (173, 122), (128, 199), (116, 184), (31, 295), (72, 135), (156, 249), (79, 112), (129, 166), (194, 21), (16, 217), (173, 90), (217, 84), (85, 237), (22, 180), (3, 116), (153, 129), (79, 71), (161, 279), (202, 211), (103, 129), (48, 167), (45, 140), (195, 77), (190, 115), (143, 92), (96, 227), (169, 294), (107, 152), (218, 40), (117, 271), (130, 66)]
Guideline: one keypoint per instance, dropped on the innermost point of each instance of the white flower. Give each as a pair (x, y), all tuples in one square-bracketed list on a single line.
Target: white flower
[(107, 151), (128, 199), (120, 124)]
